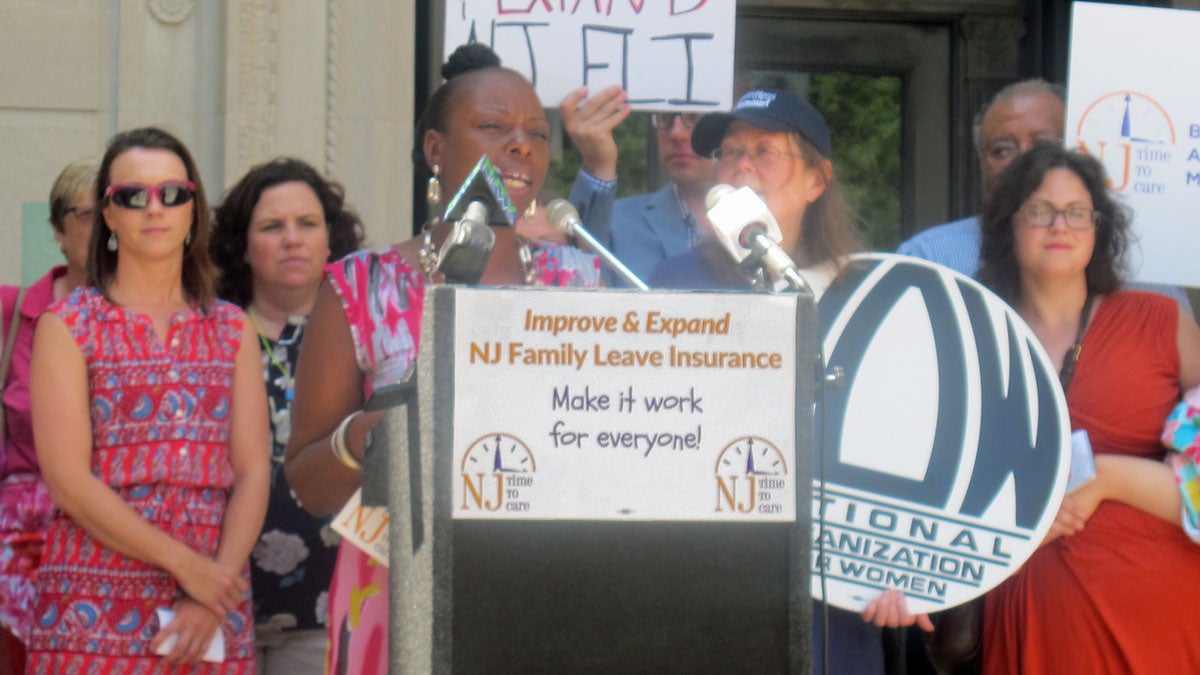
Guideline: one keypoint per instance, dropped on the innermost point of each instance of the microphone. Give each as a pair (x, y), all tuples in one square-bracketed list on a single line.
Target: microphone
[(484, 185), (749, 233), (564, 218), (730, 210), (465, 253), (480, 203)]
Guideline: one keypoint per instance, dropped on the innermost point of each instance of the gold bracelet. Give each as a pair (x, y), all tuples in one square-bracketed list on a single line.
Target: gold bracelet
[(337, 443)]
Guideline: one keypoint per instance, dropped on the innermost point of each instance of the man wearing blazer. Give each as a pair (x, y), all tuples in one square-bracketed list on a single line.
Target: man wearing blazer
[(642, 230)]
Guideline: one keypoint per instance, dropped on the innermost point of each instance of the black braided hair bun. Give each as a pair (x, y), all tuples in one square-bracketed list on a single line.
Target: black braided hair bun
[(469, 57)]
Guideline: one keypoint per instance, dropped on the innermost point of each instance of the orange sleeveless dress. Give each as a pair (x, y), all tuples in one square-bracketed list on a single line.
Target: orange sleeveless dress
[(1116, 597)]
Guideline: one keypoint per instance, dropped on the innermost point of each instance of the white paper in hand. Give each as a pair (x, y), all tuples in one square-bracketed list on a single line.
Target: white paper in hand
[(216, 649), (1083, 463)]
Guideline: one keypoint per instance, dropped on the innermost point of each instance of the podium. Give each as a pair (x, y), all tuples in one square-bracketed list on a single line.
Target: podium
[(626, 592)]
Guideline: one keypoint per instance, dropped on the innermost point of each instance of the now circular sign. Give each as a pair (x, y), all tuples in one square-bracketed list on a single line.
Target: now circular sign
[(943, 440)]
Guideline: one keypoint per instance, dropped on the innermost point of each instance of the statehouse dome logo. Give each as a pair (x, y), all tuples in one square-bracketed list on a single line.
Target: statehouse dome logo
[(944, 446)]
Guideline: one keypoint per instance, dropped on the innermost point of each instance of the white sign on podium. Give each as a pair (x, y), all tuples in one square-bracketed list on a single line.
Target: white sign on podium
[(624, 406)]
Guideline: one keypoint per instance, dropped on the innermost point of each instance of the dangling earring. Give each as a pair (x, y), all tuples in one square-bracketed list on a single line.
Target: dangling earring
[(187, 241), (531, 212), (433, 191), (433, 197), (112, 242)]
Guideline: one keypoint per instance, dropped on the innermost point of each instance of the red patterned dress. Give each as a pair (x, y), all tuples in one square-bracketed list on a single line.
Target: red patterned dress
[(160, 412)]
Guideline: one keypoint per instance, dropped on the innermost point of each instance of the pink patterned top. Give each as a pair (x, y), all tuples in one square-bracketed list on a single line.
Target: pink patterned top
[(160, 413), (383, 297)]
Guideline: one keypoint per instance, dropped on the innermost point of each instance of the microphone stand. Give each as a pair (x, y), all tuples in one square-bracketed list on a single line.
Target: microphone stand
[(612, 260), (766, 252)]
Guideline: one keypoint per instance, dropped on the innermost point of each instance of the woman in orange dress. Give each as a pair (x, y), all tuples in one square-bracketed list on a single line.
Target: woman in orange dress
[(1113, 593)]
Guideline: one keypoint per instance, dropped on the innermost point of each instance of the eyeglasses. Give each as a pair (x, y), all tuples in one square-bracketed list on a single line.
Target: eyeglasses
[(84, 215), (763, 155), (137, 196), (1042, 214), (664, 121)]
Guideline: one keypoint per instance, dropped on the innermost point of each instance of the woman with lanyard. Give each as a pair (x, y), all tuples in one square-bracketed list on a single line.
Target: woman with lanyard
[(1109, 589), (1112, 595), (274, 232)]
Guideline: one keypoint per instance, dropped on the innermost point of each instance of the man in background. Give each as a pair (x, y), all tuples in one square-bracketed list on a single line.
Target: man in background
[(1020, 115), (645, 229), (1017, 117)]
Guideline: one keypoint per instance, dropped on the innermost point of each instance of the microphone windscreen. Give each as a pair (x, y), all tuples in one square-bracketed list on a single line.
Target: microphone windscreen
[(715, 193), (746, 236), (464, 255), (484, 184), (561, 214), (733, 211)]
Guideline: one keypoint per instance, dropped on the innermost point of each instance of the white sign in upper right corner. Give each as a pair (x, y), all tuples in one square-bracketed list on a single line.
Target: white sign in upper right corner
[(1132, 103)]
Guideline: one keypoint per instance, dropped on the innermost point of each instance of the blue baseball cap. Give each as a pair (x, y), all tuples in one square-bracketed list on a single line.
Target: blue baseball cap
[(765, 109)]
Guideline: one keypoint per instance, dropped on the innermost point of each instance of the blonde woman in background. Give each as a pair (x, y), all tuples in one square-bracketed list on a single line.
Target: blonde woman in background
[(24, 500)]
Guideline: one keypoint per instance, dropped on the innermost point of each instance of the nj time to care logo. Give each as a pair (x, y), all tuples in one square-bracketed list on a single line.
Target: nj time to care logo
[(751, 475), (497, 473), (1134, 138)]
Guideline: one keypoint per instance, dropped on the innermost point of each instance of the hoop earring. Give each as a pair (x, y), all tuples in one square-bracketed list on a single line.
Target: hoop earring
[(112, 242)]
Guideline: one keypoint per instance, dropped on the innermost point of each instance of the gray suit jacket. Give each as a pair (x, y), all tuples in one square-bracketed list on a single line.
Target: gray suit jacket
[(641, 230)]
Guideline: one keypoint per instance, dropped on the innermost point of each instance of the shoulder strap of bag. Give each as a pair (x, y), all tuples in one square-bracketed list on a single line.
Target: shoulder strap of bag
[(10, 340), (10, 334)]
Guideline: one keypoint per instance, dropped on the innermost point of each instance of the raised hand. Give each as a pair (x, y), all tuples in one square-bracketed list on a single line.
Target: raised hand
[(590, 122)]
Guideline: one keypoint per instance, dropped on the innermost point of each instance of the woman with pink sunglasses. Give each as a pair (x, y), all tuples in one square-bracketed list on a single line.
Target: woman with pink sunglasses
[(149, 418)]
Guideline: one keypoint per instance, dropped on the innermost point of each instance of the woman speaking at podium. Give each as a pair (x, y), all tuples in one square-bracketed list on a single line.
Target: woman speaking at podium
[(778, 144), (365, 324), (1116, 595)]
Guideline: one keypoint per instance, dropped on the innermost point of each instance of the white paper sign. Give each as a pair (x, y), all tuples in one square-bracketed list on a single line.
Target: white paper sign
[(667, 54), (1132, 104), (611, 405), (214, 653), (364, 526)]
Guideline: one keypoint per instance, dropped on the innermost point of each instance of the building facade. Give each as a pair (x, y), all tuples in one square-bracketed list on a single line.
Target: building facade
[(337, 82)]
